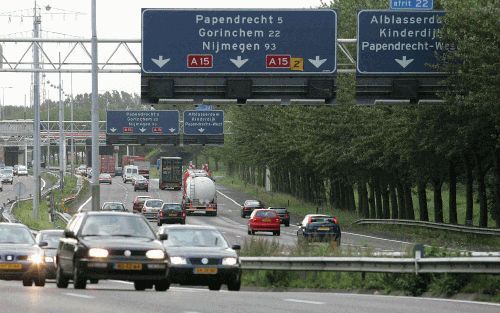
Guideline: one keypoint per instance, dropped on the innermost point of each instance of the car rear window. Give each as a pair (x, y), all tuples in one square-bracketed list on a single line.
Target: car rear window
[(268, 213), (172, 207), (154, 203), (279, 210), (321, 219)]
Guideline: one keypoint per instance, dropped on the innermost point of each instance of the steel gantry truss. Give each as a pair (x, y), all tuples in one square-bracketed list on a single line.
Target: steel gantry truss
[(110, 51)]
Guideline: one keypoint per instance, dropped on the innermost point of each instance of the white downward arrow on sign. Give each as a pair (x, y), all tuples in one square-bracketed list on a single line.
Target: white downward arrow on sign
[(404, 62), (142, 129), (160, 61), (112, 129), (171, 130), (201, 130), (239, 62), (317, 62)]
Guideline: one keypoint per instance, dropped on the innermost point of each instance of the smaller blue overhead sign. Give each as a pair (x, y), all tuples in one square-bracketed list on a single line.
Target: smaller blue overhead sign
[(203, 122), (412, 4), (142, 122)]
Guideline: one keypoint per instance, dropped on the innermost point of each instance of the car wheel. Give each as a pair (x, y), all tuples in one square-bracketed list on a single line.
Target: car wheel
[(147, 190), (79, 281), (27, 282), (234, 285), (61, 281), (249, 232), (40, 281), (159, 223), (183, 222), (140, 285), (278, 233), (287, 224), (242, 215), (162, 285), (214, 286), (135, 189), (337, 242), (252, 232)]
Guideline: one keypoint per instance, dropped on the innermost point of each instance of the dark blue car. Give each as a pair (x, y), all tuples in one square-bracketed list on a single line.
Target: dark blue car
[(319, 227)]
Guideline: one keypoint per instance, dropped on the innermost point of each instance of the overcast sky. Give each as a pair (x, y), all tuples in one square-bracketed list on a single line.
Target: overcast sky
[(115, 19)]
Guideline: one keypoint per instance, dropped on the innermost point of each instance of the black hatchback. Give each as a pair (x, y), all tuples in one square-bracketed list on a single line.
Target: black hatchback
[(171, 213), (111, 245), (283, 214)]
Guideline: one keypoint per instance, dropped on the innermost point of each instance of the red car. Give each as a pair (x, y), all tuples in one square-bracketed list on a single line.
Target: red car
[(138, 203), (264, 220)]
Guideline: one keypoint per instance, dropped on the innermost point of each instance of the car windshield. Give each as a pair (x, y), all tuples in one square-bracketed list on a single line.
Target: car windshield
[(117, 225), (171, 207), (52, 239), (15, 235), (154, 203), (267, 213), (113, 207), (21, 168), (7, 172), (189, 237)]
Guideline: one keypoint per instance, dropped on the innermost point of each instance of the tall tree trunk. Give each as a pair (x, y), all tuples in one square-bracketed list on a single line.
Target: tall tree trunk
[(385, 201), (401, 201), (469, 193), (394, 201), (496, 191), (481, 189), (351, 198), (437, 185), (371, 200), (410, 212), (378, 197), (422, 200), (364, 206), (452, 194), (360, 199)]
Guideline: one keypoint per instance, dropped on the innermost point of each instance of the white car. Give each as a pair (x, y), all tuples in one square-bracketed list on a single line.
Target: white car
[(22, 170), (7, 176), (151, 208)]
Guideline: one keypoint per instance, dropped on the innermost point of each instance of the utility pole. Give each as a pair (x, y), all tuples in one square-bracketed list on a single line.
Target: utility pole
[(94, 184), (72, 136), (62, 151), (36, 122)]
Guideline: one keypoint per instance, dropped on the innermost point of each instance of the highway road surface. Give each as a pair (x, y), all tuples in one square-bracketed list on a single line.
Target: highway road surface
[(229, 220), (120, 296)]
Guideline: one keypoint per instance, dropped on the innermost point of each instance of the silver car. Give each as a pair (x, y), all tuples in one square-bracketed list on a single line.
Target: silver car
[(7, 176)]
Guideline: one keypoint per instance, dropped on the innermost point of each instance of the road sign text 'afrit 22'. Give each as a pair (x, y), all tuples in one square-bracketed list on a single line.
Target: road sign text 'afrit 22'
[(239, 41), (399, 42)]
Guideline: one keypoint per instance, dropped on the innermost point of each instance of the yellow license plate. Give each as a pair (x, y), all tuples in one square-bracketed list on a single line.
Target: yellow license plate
[(205, 270), (172, 214), (323, 228), (128, 266), (13, 266), (266, 220)]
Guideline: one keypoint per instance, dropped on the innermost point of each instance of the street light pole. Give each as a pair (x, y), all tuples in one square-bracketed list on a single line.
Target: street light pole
[(36, 124), (72, 137), (95, 190), (61, 132)]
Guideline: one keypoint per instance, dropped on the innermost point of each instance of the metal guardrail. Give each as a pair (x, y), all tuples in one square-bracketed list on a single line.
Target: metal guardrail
[(471, 265), (431, 225)]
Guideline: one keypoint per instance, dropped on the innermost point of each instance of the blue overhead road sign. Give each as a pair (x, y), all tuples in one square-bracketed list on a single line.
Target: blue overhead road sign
[(142, 122), (239, 41), (399, 42), (203, 122), (411, 4)]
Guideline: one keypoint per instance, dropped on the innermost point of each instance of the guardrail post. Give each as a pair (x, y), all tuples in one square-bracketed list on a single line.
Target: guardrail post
[(419, 253)]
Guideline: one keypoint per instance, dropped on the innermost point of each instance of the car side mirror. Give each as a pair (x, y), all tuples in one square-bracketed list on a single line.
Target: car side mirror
[(69, 234), (43, 244), (163, 237), (236, 247)]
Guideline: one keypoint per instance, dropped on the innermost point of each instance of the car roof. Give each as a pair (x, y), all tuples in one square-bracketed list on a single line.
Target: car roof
[(171, 203), (147, 197), (154, 199), (318, 215)]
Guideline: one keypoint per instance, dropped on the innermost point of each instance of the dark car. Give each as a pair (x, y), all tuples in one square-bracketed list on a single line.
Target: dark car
[(138, 203), (51, 237), (140, 183), (319, 227), (283, 214), (249, 206), (171, 213), (200, 255), (111, 245), (113, 206), (20, 257), (118, 171)]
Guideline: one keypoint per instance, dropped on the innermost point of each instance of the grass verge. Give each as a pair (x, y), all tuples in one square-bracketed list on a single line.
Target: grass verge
[(298, 209)]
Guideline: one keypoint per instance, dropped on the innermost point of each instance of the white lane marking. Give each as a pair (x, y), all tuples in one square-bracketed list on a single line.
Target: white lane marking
[(303, 301), (378, 238), (43, 183), (419, 298), (78, 295), (126, 191), (229, 199), (84, 204)]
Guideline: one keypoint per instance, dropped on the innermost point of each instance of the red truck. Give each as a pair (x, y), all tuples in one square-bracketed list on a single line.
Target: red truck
[(108, 164), (139, 161)]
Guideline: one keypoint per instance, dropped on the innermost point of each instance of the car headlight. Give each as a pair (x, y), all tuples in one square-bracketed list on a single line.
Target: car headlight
[(98, 253), (49, 259), (155, 254), (177, 260), (229, 261), (36, 258)]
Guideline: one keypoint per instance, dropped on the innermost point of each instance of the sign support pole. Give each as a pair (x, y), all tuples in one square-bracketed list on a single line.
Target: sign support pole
[(94, 183)]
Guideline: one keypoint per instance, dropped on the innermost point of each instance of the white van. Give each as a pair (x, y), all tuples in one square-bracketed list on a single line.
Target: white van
[(129, 171)]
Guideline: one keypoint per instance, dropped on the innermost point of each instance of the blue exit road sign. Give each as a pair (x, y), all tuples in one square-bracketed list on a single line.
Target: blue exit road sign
[(239, 41), (140, 123), (204, 122), (399, 42), (412, 4)]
